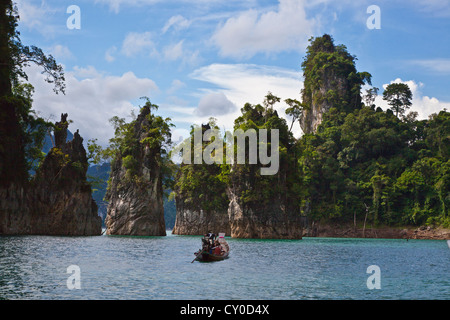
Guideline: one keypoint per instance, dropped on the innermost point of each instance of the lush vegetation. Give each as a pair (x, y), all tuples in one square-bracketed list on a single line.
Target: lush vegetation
[(201, 186), (148, 133), (362, 164), (369, 161), (330, 75), (22, 132), (253, 188)]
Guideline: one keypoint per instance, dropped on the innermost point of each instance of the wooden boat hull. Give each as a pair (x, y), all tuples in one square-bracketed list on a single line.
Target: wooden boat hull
[(209, 257), (206, 254)]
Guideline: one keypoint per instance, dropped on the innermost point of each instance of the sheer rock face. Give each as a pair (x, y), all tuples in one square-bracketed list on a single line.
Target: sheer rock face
[(58, 201), (256, 221), (312, 117), (199, 222), (136, 204), (263, 222)]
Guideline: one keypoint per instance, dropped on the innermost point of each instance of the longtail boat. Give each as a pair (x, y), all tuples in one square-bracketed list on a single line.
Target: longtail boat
[(213, 249)]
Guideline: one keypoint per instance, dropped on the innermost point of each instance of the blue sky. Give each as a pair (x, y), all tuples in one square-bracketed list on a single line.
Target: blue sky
[(197, 59)]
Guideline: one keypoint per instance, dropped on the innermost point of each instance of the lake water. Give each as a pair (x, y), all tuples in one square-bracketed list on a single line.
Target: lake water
[(112, 267)]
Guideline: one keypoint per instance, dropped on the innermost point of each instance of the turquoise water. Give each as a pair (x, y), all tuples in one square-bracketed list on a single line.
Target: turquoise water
[(35, 267)]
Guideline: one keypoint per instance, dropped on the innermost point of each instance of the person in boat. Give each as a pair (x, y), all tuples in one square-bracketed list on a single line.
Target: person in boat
[(211, 237), (217, 250)]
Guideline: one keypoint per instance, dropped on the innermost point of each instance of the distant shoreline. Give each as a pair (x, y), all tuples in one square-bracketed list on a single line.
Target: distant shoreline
[(403, 232)]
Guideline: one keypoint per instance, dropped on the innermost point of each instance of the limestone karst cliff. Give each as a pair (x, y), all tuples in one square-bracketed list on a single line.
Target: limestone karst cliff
[(200, 197), (236, 198), (135, 191), (331, 80), (58, 200)]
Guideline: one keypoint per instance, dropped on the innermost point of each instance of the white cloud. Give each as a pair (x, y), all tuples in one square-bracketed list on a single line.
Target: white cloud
[(91, 99), (441, 66), (61, 52), (176, 85), (252, 32), (177, 51), (109, 54), (242, 83), (115, 5), (137, 43), (37, 17), (177, 22), (174, 52), (215, 104), (423, 105)]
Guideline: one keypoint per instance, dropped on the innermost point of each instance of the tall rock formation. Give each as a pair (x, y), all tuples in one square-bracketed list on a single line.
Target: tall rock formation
[(265, 206), (58, 200), (331, 80), (277, 220), (198, 222), (200, 197), (237, 199), (135, 192)]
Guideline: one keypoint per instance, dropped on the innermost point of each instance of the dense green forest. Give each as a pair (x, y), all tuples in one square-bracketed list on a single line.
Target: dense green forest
[(364, 165), (360, 164)]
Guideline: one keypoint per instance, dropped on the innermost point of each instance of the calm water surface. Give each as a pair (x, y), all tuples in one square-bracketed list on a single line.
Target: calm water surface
[(35, 267)]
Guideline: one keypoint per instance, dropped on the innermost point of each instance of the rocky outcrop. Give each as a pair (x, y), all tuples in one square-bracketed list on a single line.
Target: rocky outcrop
[(135, 193), (274, 221), (331, 80), (312, 116), (58, 201), (201, 199), (199, 222)]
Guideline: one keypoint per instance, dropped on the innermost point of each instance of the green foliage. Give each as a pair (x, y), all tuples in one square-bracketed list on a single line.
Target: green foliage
[(200, 186), (254, 189), (398, 96), (33, 128), (130, 142), (398, 169), (329, 66)]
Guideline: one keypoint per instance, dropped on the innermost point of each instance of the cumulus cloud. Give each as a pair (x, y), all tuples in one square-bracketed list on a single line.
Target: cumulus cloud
[(137, 43), (91, 99), (422, 104), (215, 104), (242, 83), (61, 52), (177, 51), (38, 17), (252, 32)]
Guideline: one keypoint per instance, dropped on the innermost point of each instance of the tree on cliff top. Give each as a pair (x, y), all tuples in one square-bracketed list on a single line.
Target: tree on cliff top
[(149, 132), (15, 109), (200, 186), (398, 96), (14, 56)]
